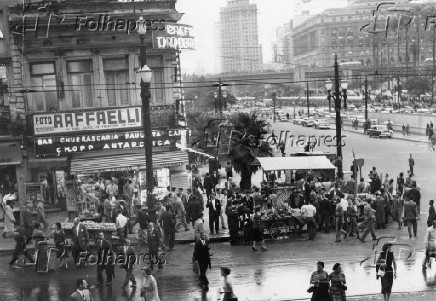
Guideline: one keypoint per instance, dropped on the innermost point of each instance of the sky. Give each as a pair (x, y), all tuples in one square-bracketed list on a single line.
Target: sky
[(203, 14)]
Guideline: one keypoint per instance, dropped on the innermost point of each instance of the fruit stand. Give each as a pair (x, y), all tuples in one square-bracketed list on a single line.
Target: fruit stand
[(109, 229), (282, 222)]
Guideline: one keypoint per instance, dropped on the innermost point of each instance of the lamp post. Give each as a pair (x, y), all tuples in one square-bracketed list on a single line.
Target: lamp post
[(146, 74), (337, 99), (344, 85)]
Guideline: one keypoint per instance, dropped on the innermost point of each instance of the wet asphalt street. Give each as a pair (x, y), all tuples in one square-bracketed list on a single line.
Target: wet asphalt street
[(283, 272)]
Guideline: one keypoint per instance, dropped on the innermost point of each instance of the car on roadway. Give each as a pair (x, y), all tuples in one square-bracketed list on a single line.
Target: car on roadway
[(297, 120), (322, 124), (308, 121), (282, 117), (379, 131)]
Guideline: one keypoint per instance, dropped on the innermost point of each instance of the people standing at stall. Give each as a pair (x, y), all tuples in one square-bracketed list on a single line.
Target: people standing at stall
[(386, 268), (258, 227), (308, 213), (319, 282), (337, 284), (59, 238)]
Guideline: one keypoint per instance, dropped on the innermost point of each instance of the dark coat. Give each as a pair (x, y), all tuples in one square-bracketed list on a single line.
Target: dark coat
[(201, 253), (104, 249), (28, 223), (168, 221), (153, 238), (216, 209), (208, 183), (81, 241), (193, 209)]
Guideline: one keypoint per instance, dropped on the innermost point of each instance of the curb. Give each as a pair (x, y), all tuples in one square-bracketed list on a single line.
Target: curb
[(394, 137)]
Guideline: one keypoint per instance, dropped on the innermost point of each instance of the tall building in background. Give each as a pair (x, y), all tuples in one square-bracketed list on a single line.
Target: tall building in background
[(217, 41), (239, 46)]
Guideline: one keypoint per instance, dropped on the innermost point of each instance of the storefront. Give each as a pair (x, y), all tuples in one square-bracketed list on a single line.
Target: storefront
[(86, 150), (11, 160)]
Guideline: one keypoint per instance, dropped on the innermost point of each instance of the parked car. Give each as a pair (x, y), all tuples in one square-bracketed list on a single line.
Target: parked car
[(380, 131), (282, 117), (322, 124), (308, 122), (297, 120)]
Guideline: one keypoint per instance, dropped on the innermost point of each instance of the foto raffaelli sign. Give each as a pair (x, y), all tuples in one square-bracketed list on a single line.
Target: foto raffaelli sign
[(79, 121), (175, 36), (61, 145)]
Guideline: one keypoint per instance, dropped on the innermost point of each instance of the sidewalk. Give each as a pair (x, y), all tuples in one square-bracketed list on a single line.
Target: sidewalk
[(397, 134)]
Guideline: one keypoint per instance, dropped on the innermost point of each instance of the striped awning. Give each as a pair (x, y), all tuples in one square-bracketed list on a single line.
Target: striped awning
[(121, 162), (295, 163)]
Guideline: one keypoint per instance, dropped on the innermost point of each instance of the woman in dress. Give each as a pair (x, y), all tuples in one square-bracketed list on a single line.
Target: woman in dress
[(337, 284), (320, 280), (386, 263), (59, 238), (149, 286)]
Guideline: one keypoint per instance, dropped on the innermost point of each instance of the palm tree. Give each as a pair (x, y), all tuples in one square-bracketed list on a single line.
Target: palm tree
[(244, 149)]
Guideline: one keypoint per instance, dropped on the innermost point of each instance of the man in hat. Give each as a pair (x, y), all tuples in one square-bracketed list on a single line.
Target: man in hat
[(105, 262), (368, 220), (202, 256), (80, 241)]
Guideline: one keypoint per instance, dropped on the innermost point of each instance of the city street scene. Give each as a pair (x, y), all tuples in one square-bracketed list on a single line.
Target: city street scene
[(217, 150)]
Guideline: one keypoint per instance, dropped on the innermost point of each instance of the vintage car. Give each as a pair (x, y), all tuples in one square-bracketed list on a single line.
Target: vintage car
[(308, 121), (380, 131), (322, 124)]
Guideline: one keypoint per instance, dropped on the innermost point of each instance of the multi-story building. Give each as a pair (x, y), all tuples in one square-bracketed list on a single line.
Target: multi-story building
[(240, 50), (339, 31), (74, 85)]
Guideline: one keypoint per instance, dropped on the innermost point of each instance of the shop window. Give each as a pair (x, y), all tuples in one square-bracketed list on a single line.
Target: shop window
[(43, 80), (116, 72), (157, 85), (81, 82)]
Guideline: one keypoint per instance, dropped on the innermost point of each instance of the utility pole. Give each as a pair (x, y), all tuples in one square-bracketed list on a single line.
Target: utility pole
[(307, 95), (274, 104), (366, 98), (433, 70), (338, 120)]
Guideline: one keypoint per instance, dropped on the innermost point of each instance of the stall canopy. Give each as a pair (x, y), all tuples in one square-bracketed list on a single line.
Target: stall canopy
[(295, 163), (120, 162)]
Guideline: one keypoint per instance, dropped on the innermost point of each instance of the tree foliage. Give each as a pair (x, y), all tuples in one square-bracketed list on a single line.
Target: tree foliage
[(418, 85)]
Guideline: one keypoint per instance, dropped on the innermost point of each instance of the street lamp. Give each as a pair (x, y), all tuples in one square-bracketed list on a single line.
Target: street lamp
[(146, 74), (344, 86), (328, 87)]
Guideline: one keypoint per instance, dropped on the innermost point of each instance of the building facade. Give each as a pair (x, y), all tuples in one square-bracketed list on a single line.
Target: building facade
[(74, 88), (239, 46)]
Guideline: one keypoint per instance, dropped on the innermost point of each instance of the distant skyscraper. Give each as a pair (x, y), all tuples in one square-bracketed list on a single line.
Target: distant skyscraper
[(217, 41), (238, 43)]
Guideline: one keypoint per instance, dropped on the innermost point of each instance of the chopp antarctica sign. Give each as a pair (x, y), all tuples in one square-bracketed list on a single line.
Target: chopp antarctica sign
[(78, 121), (62, 145), (175, 36)]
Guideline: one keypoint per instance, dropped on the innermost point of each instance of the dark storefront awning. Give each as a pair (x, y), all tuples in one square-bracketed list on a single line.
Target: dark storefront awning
[(122, 162), (48, 163), (10, 153)]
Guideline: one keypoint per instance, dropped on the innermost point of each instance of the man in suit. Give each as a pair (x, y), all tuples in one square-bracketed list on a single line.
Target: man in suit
[(82, 293), (410, 216), (154, 243), (208, 185), (168, 224), (214, 206), (105, 260), (193, 209), (80, 242), (129, 261), (202, 256)]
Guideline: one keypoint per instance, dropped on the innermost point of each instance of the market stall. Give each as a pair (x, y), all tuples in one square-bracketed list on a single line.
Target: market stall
[(109, 230), (282, 222)]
